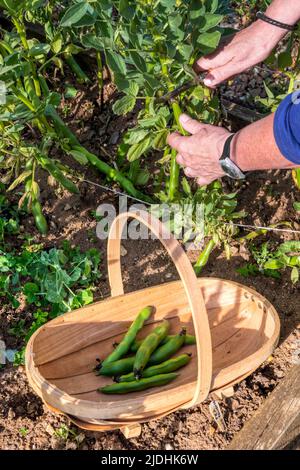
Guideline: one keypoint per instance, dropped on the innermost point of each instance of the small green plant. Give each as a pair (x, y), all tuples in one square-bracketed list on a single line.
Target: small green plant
[(220, 213), (60, 278), (64, 432), (9, 219), (50, 281), (23, 431), (19, 358), (21, 331)]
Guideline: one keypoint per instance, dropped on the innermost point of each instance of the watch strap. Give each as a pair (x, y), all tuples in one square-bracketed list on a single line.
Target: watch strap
[(261, 16)]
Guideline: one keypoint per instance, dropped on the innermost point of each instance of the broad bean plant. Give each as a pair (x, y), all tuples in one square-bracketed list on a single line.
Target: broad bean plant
[(149, 48)]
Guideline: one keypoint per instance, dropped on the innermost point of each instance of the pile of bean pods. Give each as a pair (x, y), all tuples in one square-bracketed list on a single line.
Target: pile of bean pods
[(136, 365)]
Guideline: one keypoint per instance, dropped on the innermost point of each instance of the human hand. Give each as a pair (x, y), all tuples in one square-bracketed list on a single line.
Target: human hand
[(240, 52), (199, 153)]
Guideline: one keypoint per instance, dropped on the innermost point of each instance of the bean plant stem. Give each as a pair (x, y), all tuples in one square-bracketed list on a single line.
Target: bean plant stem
[(20, 27), (23, 98), (110, 172), (76, 69), (100, 74), (133, 171), (174, 167)]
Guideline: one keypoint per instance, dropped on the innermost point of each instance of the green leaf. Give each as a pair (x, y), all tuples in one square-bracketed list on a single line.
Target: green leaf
[(151, 84), (159, 140), (35, 190), (270, 94), (285, 60), (153, 121), (135, 136), (86, 297), (80, 14), (57, 44), (79, 156), (169, 5), (12, 5), (210, 21), (175, 22), (58, 63), (273, 264), (248, 270), (296, 177), (20, 179), (196, 9), (70, 91), (124, 105), (142, 178), (116, 63), (289, 247), (30, 290), (105, 32), (92, 41), (4, 265), (133, 89), (53, 99), (185, 50), (186, 187), (122, 83), (296, 206), (126, 10), (138, 61), (103, 6), (137, 150), (39, 49)]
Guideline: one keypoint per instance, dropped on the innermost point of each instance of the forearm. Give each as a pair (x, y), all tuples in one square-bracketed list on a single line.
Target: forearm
[(255, 148), (285, 11)]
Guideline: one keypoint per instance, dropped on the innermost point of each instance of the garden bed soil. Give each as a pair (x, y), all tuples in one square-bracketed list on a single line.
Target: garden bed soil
[(25, 423)]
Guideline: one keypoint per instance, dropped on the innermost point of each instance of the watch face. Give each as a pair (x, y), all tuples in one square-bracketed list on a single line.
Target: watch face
[(231, 170)]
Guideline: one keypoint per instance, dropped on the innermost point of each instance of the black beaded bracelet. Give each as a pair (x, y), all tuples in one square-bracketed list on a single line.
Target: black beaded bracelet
[(261, 16)]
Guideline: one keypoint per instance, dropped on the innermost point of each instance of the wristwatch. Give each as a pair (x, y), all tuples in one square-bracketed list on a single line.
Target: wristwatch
[(228, 166)]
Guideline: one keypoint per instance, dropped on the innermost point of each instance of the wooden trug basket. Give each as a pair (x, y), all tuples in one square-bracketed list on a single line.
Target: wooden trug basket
[(236, 329)]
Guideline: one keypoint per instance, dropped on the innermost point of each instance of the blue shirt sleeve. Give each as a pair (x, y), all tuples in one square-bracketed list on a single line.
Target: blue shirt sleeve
[(287, 127)]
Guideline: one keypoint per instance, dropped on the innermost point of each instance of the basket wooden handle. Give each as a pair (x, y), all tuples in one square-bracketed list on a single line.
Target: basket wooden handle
[(189, 280)]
